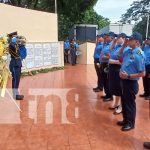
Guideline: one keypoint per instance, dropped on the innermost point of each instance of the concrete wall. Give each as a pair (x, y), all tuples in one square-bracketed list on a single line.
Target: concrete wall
[(36, 26), (82, 59), (90, 53), (87, 50)]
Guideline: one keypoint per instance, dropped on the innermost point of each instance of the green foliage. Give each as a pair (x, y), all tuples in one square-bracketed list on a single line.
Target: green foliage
[(87, 17), (141, 27), (70, 12), (46, 70), (138, 12), (91, 17)]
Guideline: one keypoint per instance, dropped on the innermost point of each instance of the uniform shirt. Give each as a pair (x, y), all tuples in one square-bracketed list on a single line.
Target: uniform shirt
[(125, 49), (98, 50), (133, 61), (14, 50), (76, 45), (114, 52), (105, 51), (147, 54), (66, 45)]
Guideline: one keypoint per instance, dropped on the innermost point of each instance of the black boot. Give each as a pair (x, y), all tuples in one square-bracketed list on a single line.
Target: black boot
[(147, 145)]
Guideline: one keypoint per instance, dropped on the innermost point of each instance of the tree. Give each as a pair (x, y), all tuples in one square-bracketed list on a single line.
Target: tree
[(138, 12), (141, 27), (87, 17), (70, 12), (91, 17)]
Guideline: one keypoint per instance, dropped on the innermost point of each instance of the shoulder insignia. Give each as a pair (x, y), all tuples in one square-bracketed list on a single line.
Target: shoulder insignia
[(139, 52)]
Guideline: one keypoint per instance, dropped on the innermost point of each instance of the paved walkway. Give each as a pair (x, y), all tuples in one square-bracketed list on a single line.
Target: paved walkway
[(92, 126)]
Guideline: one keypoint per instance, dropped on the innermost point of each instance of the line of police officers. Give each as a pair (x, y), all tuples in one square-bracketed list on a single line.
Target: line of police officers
[(119, 63), (70, 48)]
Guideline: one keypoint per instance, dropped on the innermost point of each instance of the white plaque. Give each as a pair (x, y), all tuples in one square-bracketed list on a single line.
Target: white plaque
[(30, 56)]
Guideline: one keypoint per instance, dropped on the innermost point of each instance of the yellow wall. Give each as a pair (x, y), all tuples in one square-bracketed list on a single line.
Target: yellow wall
[(36, 26)]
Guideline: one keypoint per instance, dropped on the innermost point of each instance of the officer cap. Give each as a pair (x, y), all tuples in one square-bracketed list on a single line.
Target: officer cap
[(100, 35), (112, 34), (123, 35), (10, 35), (136, 36)]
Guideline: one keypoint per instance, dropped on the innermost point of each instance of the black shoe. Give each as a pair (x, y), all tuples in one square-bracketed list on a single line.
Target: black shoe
[(103, 96), (121, 123), (127, 128), (107, 98), (112, 108), (98, 90), (147, 98), (142, 95), (147, 145), (95, 88), (19, 97)]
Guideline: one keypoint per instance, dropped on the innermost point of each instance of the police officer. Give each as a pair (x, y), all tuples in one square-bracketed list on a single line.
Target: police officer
[(104, 59), (66, 50), (146, 79), (15, 68), (98, 48), (77, 47), (133, 67), (114, 69), (73, 50)]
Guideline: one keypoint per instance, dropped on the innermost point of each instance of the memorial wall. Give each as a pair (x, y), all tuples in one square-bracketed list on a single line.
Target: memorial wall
[(41, 31), (44, 55)]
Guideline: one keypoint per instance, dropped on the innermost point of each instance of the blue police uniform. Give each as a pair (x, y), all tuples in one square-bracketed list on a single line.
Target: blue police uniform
[(76, 47), (66, 50), (96, 56), (15, 67), (73, 49), (104, 66), (66, 45), (114, 52), (146, 79), (114, 69), (98, 50), (133, 62)]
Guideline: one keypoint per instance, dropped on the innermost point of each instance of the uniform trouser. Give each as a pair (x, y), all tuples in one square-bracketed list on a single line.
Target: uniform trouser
[(146, 81), (129, 91), (15, 68), (73, 56), (66, 56), (105, 78), (99, 75)]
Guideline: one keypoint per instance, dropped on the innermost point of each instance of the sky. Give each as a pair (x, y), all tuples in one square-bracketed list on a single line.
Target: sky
[(112, 9)]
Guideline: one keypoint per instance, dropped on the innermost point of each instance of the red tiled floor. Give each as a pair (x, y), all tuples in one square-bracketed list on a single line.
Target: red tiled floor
[(94, 128), (80, 147)]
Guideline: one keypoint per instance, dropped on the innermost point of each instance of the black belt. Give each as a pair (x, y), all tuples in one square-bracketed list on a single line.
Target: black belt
[(15, 58), (104, 63)]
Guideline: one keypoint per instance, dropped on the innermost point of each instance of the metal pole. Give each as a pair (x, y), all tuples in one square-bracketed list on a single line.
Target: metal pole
[(147, 26), (55, 6)]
